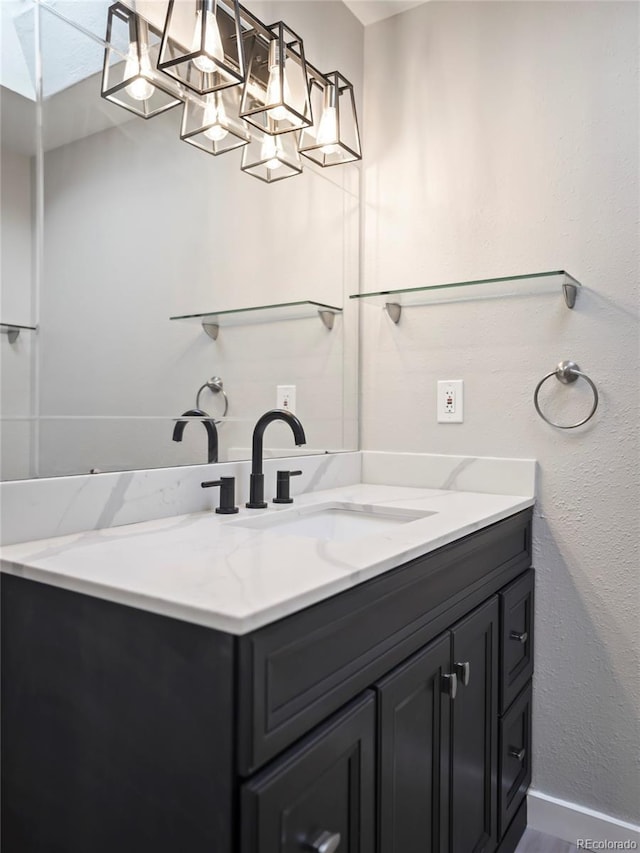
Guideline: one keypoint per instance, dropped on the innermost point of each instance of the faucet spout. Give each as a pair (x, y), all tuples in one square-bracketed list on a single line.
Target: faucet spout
[(208, 424), (256, 487)]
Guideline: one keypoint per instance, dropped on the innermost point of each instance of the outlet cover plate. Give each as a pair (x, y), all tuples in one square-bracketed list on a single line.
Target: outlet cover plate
[(450, 401), (286, 398)]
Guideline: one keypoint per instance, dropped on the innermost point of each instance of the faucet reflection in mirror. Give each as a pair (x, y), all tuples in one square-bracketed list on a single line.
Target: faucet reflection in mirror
[(275, 107)]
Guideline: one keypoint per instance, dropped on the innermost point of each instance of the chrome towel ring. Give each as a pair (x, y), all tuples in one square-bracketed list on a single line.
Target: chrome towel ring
[(566, 372), (215, 385)]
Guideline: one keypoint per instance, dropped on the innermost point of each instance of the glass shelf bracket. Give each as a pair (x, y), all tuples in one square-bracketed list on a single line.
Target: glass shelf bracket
[(212, 320), (12, 330), (394, 300)]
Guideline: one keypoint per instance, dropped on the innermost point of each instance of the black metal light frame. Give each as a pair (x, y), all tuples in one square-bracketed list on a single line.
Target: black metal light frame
[(311, 148), (134, 24), (174, 55), (195, 131), (258, 165), (278, 43)]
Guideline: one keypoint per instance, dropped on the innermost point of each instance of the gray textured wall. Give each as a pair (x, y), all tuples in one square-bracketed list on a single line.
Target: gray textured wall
[(503, 138)]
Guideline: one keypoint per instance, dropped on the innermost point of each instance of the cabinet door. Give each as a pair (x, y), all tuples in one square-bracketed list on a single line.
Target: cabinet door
[(475, 732), (414, 730), (320, 795)]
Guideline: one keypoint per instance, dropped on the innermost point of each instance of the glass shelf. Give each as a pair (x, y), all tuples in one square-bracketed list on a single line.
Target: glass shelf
[(212, 320), (394, 300), (12, 330)]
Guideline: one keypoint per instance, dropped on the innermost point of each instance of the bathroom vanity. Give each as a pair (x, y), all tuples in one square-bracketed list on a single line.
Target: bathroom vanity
[(390, 715)]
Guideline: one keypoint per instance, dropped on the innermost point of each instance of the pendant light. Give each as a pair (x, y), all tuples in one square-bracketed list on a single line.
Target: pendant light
[(129, 78), (202, 45), (275, 109), (334, 137), (275, 97), (272, 157), (212, 122)]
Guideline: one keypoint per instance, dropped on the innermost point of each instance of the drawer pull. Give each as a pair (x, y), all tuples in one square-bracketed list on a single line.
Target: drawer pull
[(463, 671), (520, 637), (450, 684), (514, 752), (326, 842)]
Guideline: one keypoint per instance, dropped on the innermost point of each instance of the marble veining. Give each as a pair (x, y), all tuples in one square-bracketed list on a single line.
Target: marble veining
[(47, 507), (438, 471), (207, 569)]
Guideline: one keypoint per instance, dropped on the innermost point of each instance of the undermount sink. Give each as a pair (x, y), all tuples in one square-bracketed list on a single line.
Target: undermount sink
[(339, 522)]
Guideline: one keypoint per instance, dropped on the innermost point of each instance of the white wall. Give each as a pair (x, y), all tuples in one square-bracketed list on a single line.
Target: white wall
[(503, 138), (139, 226)]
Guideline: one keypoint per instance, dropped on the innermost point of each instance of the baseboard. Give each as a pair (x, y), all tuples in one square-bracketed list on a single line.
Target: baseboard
[(571, 822)]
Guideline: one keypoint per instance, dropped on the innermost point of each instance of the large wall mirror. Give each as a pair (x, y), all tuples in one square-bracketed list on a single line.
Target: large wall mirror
[(111, 225)]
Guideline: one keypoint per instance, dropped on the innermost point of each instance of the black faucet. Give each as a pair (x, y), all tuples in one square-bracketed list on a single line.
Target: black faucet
[(210, 426), (256, 485)]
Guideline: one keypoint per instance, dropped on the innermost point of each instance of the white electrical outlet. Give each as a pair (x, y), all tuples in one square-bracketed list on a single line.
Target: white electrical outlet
[(450, 401), (286, 398)]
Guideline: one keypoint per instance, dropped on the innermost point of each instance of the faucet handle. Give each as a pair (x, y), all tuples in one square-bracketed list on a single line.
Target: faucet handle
[(227, 494), (283, 484)]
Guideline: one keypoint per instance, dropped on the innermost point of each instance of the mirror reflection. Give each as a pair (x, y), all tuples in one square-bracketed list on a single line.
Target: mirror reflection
[(110, 227)]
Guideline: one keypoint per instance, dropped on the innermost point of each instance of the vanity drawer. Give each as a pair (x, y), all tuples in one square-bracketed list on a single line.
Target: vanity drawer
[(322, 791), (516, 613), (293, 673), (515, 757)]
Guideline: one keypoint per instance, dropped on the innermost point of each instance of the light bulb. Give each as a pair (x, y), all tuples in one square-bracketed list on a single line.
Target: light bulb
[(276, 93), (139, 89), (211, 44), (328, 126), (214, 115), (271, 149), (328, 131), (273, 94)]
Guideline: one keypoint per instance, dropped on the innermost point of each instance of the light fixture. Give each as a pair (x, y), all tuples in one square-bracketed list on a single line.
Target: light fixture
[(202, 45), (198, 60), (275, 97), (129, 78), (271, 157), (212, 123), (334, 137)]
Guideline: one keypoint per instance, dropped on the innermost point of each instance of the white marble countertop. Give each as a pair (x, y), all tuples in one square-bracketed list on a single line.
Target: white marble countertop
[(208, 569)]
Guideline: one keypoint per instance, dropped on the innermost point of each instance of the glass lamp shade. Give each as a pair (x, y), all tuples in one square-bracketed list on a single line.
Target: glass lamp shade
[(275, 96), (334, 137), (212, 124), (272, 158), (202, 44), (129, 78)]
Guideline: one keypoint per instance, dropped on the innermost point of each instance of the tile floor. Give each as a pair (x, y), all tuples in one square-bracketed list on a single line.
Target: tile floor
[(538, 842)]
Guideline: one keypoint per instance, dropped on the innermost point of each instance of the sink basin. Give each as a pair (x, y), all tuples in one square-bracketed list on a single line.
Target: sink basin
[(339, 522)]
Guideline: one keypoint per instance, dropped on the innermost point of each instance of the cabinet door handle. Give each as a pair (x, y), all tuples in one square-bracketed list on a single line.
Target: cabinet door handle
[(463, 671), (520, 637), (450, 684), (326, 842), (514, 752)]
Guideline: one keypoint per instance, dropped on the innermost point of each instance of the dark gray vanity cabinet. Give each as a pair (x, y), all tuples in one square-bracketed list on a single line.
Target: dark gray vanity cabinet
[(474, 761), (394, 717), (516, 671), (439, 743), (321, 794), (414, 762)]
